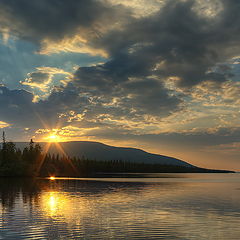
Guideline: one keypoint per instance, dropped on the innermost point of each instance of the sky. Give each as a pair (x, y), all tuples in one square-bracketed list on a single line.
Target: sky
[(160, 75)]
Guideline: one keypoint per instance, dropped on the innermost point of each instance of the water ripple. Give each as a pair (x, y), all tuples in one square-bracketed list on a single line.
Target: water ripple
[(73, 209)]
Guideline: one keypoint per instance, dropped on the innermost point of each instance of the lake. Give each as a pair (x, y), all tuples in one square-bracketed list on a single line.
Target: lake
[(161, 206)]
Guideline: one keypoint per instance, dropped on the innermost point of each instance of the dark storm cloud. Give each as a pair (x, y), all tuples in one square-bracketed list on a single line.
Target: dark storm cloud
[(143, 96), (149, 96), (176, 41), (186, 43), (52, 19)]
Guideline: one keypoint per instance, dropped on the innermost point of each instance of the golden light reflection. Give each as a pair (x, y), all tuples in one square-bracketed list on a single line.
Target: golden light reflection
[(61, 205), (52, 178), (54, 203)]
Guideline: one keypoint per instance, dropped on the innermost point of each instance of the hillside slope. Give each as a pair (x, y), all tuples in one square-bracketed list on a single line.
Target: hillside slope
[(103, 152)]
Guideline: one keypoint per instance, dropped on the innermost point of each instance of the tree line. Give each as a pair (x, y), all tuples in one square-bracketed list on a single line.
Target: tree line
[(16, 162), (32, 161)]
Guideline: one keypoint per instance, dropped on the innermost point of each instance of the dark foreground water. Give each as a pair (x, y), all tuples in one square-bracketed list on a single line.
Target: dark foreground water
[(176, 206)]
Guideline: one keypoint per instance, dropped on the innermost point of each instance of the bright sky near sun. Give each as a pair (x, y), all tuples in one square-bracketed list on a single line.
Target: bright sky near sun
[(152, 74), (53, 138)]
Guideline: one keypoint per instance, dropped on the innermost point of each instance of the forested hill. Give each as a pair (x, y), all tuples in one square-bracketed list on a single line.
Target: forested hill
[(103, 152), (83, 159)]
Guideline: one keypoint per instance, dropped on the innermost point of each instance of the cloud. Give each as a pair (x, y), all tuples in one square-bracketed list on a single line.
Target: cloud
[(38, 79), (140, 8), (70, 45), (225, 149), (181, 39), (43, 77), (175, 41), (145, 52), (4, 124), (55, 21), (113, 89), (17, 107), (18, 58)]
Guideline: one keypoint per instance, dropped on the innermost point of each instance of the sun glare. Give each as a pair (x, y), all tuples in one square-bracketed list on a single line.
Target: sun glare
[(52, 178), (53, 138)]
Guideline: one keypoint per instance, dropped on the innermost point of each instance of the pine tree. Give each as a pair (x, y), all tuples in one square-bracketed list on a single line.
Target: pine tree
[(3, 146)]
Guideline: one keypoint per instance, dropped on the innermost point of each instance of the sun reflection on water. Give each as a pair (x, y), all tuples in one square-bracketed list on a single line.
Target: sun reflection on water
[(59, 205), (71, 209), (55, 204)]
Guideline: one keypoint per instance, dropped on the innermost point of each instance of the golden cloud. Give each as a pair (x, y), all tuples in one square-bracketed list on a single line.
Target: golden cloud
[(75, 45), (43, 76), (4, 124)]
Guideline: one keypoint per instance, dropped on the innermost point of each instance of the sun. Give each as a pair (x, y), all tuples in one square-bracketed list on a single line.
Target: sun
[(53, 138)]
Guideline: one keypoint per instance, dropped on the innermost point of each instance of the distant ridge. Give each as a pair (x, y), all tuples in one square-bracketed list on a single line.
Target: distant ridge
[(103, 152)]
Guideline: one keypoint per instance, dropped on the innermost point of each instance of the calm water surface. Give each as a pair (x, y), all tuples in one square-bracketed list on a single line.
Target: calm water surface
[(167, 206)]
